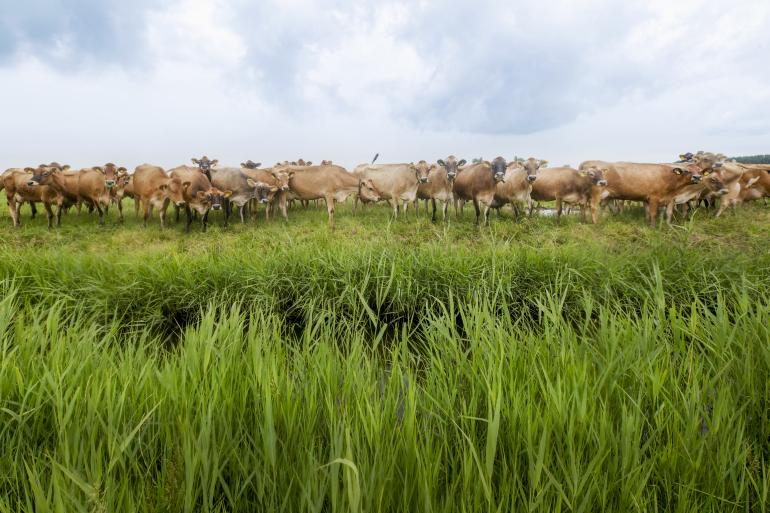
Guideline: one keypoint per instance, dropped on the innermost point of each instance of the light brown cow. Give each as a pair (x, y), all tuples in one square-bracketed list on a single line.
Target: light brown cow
[(478, 183), (95, 187), (655, 184), (197, 194), (516, 187), (755, 182), (439, 185), (396, 183), (331, 183), (22, 185), (568, 185), (65, 182), (151, 188), (275, 180)]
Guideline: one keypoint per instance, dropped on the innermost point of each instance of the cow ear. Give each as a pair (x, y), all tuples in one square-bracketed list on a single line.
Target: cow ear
[(195, 161), (440, 162), (582, 173), (251, 183), (30, 169), (214, 162), (185, 185), (201, 195), (462, 162), (122, 170), (65, 167), (273, 189), (677, 170), (227, 194), (97, 168), (543, 163)]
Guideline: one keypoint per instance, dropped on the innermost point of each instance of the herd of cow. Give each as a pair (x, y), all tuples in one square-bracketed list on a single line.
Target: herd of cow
[(695, 178)]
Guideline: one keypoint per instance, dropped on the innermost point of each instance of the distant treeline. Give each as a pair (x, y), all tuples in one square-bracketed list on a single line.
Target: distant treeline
[(754, 159)]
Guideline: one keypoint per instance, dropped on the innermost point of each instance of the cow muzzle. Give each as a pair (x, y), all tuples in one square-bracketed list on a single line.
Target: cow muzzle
[(31, 183), (263, 200), (723, 191), (285, 188), (180, 204), (602, 183), (531, 178), (109, 184), (423, 180), (696, 179), (499, 177), (216, 207)]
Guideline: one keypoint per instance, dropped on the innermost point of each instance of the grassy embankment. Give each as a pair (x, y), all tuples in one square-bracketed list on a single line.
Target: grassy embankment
[(386, 365)]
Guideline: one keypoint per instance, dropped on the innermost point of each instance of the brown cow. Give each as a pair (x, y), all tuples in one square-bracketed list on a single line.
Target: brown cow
[(516, 187), (151, 188), (65, 182), (205, 165), (439, 185), (197, 194), (332, 183), (755, 183), (275, 180), (22, 185), (655, 184), (396, 183), (95, 187), (568, 185), (478, 183)]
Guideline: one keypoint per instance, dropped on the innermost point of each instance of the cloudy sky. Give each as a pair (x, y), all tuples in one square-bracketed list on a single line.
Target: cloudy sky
[(160, 81)]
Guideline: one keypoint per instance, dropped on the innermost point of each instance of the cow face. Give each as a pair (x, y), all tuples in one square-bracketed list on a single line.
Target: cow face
[(714, 183), (175, 190), (452, 166), (693, 171), (596, 175), (531, 165), (42, 174), (367, 191), (263, 192), (421, 171), (205, 165), (498, 167), (111, 173), (250, 164), (213, 198), (283, 179)]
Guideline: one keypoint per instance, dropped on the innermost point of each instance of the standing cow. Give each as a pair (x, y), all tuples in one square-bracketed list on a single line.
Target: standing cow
[(440, 183), (478, 183), (197, 194), (568, 185), (396, 183), (516, 187)]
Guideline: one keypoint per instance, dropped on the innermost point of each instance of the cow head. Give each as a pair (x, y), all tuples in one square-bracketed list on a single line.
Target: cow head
[(451, 165), (692, 171), (326, 162), (283, 179), (41, 175), (596, 175), (531, 165), (498, 167), (175, 190), (249, 164), (367, 191), (213, 198), (111, 173), (262, 191), (205, 165), (421, 171)]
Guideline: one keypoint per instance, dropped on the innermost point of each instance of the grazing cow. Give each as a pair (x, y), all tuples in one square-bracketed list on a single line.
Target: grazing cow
[(441, 178), (516, 187), (478, 183), (755, 182), (242, 188), (197, 194), (655, 184), (331, 183), (95, 187), (568, 185), (396, 183), (276, 182), (205, 165)]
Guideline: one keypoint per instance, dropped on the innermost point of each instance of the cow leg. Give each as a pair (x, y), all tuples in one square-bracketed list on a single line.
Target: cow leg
[(395, 207), (405, 205), (444, 210), (433, 212), (147, 212), (486, 215), (176, 213), (330, 208), (33, 207), (59, 207), (48, 214), (162, 213), (228, 208), (120, 210), (558, 210), (478, 212), (100, 212), (204, 221), (241, 211), (653, 208), (284, 209), (137, 206), (12, 210)]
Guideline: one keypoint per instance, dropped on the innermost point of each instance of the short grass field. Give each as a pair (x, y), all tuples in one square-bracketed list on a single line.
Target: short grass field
[(386, 365)]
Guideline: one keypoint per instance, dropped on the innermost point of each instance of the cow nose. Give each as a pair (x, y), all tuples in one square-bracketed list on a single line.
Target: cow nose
[(109, 183), (696, 179), (180, 203), (263, 200), (31, 183), (531, 178), (602, 183), (723, 191), (423, 180), (216, 207)]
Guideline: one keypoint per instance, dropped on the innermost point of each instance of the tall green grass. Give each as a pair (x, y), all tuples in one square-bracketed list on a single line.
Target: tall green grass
[(386, 366)]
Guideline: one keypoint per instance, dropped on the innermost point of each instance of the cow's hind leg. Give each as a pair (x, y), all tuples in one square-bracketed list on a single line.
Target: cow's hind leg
[(330, 208), (478, 212)]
